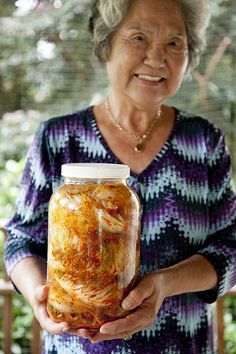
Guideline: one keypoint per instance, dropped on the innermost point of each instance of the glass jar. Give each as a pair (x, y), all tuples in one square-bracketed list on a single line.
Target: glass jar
[(93, 245)]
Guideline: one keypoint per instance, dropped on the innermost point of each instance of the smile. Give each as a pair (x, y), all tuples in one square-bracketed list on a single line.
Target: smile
[(149, 78)]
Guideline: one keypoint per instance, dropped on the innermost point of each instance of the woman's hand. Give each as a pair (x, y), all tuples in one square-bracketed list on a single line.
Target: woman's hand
[(31, 287), (146, 298), (40, 311)]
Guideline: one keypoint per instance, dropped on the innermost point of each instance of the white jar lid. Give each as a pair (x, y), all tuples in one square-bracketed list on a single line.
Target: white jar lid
[(95, 170)]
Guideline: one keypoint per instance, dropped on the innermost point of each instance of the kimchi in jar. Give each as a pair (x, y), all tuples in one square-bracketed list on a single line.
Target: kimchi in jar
[(93, 246)]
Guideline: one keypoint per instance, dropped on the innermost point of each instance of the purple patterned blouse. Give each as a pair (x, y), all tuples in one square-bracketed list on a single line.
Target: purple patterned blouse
[(188, 207)]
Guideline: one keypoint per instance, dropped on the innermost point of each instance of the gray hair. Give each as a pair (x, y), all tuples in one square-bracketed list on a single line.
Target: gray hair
[(108, 15)]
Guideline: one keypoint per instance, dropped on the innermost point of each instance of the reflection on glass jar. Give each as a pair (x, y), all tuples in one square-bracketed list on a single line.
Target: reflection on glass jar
[(94, 244)]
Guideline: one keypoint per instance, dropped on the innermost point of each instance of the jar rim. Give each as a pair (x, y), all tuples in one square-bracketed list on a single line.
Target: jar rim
[(95, 170)]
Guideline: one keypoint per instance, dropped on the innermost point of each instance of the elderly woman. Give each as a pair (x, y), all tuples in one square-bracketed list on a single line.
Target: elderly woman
[(180, 170)]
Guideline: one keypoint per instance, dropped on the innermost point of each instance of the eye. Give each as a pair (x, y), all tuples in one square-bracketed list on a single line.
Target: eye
[(138, 38), (176, 45)]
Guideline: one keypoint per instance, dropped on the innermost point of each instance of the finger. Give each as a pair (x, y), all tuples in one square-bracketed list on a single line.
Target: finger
[(124, 324), (136, 296), (42, 315), (83, 332), (49, 325), (56, 328), (102, 337), (127, 323), (86, 333), (41, 293), (138, 319)]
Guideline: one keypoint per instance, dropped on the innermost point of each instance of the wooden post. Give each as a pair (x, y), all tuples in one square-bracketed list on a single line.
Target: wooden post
[(220, 325), (6, 291), (7, 314), (36, 337)]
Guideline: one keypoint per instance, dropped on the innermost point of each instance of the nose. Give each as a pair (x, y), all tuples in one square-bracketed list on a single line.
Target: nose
[(155, 57)]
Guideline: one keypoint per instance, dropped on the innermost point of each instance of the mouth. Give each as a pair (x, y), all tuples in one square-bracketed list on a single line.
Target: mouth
[(148, 78)]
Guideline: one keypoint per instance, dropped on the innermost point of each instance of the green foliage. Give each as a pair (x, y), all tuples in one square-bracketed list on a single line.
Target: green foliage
[(23, 315), (47, 60), (17, 132), (230, 324), (9, 181), (211, 91)]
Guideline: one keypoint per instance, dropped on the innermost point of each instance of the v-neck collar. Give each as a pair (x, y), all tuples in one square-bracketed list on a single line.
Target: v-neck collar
[(115, 159)]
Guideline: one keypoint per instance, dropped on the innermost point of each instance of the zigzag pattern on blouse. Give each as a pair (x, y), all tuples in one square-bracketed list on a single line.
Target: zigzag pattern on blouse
[(188, 207)]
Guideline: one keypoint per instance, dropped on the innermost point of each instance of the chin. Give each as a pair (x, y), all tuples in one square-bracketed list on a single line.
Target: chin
[(149, 95), (147, 99)]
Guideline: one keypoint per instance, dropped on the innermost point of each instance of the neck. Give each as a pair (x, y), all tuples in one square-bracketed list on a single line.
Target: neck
[(141, 138), (134, 118)]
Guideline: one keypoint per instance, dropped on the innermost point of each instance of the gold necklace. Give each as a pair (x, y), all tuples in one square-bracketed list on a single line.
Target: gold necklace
[(140, 146)]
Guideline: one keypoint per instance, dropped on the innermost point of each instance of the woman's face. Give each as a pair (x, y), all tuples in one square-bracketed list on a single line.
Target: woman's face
[(149, 54)]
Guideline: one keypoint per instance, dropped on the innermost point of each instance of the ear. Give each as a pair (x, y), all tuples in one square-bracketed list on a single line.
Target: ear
[(106, 53)]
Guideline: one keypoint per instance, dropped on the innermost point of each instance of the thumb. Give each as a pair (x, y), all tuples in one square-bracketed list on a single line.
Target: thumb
[(41, 293), (136, 296)]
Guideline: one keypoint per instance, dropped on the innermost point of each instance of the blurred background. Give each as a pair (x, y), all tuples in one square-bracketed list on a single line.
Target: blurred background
[(47, 69)]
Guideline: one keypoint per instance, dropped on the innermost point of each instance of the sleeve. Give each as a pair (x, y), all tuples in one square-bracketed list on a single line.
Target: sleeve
[(27, 230), (220, 247)]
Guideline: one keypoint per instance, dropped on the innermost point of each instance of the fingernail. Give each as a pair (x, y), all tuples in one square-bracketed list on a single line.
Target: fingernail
[(126, 304), (65, 329), (103, 331)]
